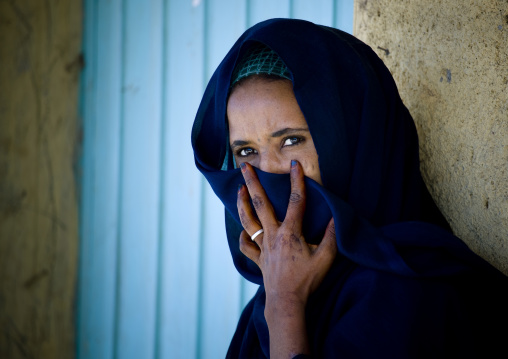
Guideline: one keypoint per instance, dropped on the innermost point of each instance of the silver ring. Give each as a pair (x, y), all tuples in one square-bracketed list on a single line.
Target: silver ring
[(256, 234)]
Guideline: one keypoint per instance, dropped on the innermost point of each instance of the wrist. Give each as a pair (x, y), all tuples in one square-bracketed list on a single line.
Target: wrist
[(284, 308), (285, 317)]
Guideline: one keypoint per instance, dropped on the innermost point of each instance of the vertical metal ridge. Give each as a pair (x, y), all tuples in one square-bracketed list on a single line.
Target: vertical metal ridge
[(334, 13), (202, 211), (121, 145), (86, 111), (248, 13), (162, 176)]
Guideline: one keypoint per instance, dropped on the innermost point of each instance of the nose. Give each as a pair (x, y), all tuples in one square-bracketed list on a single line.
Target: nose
[(272, 163)]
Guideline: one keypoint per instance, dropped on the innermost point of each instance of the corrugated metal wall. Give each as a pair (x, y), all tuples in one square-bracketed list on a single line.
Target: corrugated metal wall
[(156, 277)]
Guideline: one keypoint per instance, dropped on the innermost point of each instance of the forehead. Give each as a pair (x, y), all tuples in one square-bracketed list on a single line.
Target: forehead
[(260, 105)]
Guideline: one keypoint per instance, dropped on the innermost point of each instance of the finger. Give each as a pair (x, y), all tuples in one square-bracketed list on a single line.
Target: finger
[(260, 201), (327, 249), (297, 199), (249, 248), (247, 216)]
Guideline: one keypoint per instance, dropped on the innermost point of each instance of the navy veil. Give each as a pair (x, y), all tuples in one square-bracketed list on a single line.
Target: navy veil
[(402, 285)]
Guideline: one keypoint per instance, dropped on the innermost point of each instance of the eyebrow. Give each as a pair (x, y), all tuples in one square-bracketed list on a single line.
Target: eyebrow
[(288, 130), (239, 143), (278, 133)]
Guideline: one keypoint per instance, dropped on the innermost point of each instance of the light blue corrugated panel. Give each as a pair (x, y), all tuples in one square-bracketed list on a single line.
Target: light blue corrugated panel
[(156, 277), (100, 108)]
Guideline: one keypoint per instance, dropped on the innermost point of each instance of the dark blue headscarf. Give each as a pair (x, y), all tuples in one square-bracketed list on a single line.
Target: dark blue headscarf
[(390, 234)]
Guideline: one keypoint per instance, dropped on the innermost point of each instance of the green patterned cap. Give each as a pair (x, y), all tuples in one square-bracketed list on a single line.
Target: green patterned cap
[(260, 59)]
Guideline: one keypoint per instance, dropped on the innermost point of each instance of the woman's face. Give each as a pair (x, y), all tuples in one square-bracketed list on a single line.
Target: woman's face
[(267, 128)]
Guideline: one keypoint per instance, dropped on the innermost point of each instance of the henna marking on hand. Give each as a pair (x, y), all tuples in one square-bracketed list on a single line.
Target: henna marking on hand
[(243, 217), (295, 197), (257, 202), (295, 243)]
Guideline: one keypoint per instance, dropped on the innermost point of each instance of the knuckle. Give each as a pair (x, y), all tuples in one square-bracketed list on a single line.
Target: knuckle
[(258, 202), (278, 241), (295, 197), (244, 218), (294, 241)]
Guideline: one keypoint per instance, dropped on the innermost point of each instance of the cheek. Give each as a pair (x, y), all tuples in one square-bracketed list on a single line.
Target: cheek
[(310, 166)]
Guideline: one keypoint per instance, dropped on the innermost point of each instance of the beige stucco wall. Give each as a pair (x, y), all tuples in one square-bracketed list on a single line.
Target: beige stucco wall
[(449, 59), (39, 56)]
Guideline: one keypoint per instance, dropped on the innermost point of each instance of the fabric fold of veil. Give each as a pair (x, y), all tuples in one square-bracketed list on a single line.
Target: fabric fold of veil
[(367, 145)]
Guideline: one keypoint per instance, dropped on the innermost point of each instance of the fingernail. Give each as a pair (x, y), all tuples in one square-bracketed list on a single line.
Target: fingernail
[(293, 163), (243, 167), (240, 186)]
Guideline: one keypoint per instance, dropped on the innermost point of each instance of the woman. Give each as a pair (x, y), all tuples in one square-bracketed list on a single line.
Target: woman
[(353, 258)]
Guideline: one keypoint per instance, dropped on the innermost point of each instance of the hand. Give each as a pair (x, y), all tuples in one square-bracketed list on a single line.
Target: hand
[(292, 269)]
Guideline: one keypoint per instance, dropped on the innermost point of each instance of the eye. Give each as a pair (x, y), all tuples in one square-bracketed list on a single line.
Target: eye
[(244, 152), (291, 141)]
